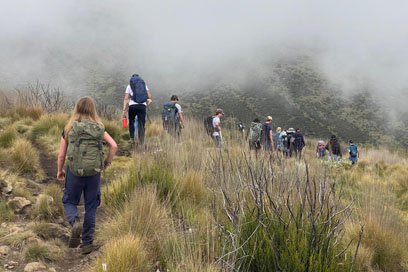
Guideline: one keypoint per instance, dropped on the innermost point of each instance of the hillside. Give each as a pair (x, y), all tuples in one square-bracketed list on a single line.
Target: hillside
[(190, 207)]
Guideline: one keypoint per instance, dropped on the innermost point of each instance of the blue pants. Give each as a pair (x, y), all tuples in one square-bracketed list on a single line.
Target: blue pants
[(353, 159), (138, 111), (74, 187)]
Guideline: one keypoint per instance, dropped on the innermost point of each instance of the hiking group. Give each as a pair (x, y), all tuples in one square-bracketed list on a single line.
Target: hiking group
[(83, 137)]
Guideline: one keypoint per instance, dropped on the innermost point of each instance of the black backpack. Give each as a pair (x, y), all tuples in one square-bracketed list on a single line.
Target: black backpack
[(298, 141), (336, 147), (170, 115), (138, 86), (208, 125)]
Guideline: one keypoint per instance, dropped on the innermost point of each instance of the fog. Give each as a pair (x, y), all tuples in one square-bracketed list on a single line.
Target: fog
[(185, 44)]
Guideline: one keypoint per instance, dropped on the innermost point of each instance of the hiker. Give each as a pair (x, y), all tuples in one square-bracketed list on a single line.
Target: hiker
[(289, 142), (172, 117), (275, 137), (267, 140), (254, 136), (298, 143), (216, 124), (353, 152), (320, 149), (282, 144), (241, 129), (82, 144), (137, 98), (333, 146)]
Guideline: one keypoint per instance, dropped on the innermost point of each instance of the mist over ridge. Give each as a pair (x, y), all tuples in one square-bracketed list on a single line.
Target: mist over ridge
[(184, 45)]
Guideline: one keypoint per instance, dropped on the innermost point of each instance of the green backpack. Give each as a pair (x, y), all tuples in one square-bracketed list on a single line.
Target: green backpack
[(85, 148), (255, 132)]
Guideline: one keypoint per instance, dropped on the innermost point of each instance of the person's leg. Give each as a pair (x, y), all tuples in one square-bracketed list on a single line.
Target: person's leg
[(92, 199), (141, 120), (132, 116), (72, 196)]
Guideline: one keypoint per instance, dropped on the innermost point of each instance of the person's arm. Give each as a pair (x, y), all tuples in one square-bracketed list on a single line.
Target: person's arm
[(149, 97), (61, 159), (125, 104), (112, 148), (180, 114)]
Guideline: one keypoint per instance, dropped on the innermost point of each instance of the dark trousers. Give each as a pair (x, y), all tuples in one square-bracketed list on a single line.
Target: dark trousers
[(74, 187), (138, 111)]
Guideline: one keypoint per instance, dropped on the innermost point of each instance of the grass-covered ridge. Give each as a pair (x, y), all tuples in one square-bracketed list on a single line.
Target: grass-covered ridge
[(191, 207)]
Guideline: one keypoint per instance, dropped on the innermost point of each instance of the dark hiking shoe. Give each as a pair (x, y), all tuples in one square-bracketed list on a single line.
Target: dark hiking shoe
[(76, 232), (86, 249)]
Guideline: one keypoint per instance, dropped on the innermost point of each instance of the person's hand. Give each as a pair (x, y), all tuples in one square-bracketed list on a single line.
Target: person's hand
[(149, 101), (61, 175), (106, 164)]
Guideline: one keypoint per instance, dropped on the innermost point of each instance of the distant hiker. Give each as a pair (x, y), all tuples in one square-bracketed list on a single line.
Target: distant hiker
[(82, 144), (241, 129), (320, 149), (172, 117), (282, 144), (254, 136), (298, 143), (353, 152), (267, 139), (216, 124), (290, 147), (208, 125), (334, 148), (137, 96), (275, 137)]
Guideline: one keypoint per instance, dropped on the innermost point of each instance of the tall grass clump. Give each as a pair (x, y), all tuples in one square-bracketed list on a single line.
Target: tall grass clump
[(7, 137), (144, 216), (33, 112), (6, 214), (284, 217), (49, 125), (127, 253), (114, 129), (25, 157)]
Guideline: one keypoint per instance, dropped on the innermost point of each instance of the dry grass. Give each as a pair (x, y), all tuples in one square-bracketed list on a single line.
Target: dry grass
[(33, 112), (125, 254), (143, 216), (25, 158), (7, 137)]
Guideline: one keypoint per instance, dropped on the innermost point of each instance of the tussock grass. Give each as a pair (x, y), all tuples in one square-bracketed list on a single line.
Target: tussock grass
[(143, 215), (50, 125), (114, 129), (124, 254), (6, 214), (47, 207), (33, 112), (16, 238), (25, 157), (7, 137), (5, 122), (44, 251)]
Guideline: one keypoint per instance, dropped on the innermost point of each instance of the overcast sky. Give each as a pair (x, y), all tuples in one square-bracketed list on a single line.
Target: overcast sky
[(62, 41)]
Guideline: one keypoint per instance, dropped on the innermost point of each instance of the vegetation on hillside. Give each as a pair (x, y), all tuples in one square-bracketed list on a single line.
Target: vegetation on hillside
[(191, 207)]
